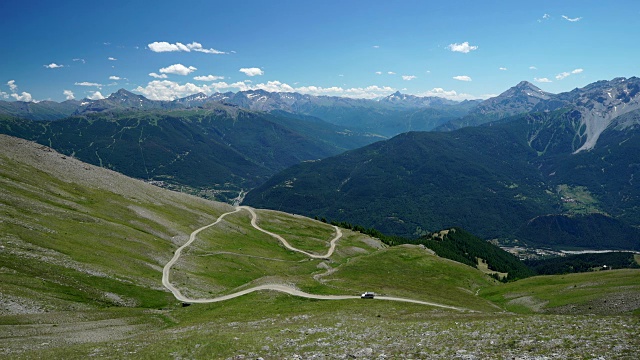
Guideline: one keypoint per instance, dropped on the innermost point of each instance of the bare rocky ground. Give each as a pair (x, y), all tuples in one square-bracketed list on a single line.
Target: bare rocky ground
[(432, 335), (498, 337)]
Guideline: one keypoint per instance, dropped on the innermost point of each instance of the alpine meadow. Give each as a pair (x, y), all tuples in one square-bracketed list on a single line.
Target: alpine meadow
[(333, 180)]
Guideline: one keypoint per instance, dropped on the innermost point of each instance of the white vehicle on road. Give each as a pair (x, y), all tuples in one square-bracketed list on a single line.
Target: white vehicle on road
[(367, 295)]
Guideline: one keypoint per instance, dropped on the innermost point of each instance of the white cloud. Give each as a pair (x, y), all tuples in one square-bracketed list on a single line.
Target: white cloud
[(391, 73), (25, 96), (408, 77), (566, 74), (198, 47), (503, 68), (178, 69), (170, 90), (544, 17), (571, 19), (12, 85), (79, 60), (462, 78), (4, 95), (53, 66), (158, 76), (376, 46), (86, 83), (69, 94), (378, 72), (542, 80), (252, 71), (533, 68), (452, 94), (113, 77), (112, 58), (96, 96), (208, 78), (463, 48), (163, 46)]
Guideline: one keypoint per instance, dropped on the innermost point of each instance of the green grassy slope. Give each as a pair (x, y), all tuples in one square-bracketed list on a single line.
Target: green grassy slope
[(602, 292), (73, 233), (81, 256)]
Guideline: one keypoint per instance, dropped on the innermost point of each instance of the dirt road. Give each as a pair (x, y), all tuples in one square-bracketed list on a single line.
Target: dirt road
[(275, 287)]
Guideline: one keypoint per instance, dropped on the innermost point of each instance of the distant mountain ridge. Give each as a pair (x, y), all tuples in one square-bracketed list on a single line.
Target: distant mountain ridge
[(220, 150), (597, 104), (385, 117), (562, 174)]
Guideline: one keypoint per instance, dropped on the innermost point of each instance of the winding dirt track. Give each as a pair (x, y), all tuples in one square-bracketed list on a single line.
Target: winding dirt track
[(281, 288)]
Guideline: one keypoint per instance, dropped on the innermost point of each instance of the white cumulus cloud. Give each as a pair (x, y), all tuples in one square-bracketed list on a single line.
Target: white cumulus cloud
[(391, 73), (463, 48), (451, 94), (53, 66), (158, 76), (12, 85), (112, 58), (170, 90), (96, 96), (86, 83), (542, 80), (113, 77), (208, 78), (178, 69), (163, 46), (4, 95), (462, 78), (502, 68), (408, 77), (378, 72), (533, 68), (566, 74), (252, 71), (69, 94), (25, 96), (77, 59), (571, 19)]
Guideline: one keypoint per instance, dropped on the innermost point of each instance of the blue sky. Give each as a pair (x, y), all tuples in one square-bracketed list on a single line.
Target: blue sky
[(54, 50)]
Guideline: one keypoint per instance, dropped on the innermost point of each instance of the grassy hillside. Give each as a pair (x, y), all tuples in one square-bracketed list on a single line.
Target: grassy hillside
[(75, 235), (81, 256), (602, 292)]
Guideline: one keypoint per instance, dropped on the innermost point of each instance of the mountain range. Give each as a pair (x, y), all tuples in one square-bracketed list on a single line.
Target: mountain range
[(527, 166), (231, 148), (561, 174), (388, 116)]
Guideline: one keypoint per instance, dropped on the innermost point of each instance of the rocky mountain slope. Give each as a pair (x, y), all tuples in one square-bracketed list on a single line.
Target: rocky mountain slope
[(596, 106)]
